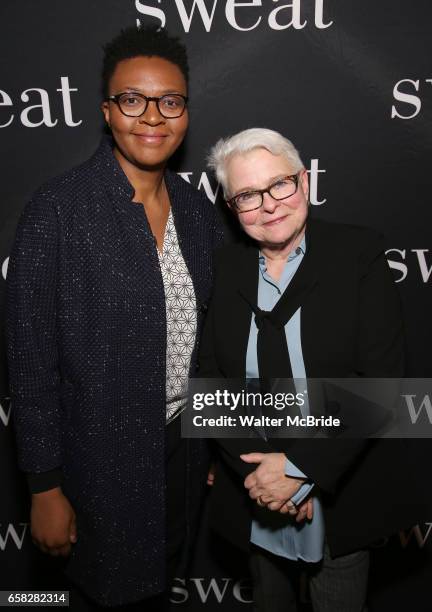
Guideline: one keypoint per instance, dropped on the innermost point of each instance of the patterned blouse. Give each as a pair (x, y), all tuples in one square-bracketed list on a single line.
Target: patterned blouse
[(181, 320)]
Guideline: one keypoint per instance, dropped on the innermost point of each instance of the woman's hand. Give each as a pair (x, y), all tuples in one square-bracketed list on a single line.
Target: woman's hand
[(53, 522), (269, 481), (211, 474)]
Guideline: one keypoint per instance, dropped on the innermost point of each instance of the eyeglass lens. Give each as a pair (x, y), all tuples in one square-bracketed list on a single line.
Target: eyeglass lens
[(253, 199)]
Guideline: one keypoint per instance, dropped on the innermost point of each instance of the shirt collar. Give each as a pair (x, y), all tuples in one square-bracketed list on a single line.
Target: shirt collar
[(300, 250)]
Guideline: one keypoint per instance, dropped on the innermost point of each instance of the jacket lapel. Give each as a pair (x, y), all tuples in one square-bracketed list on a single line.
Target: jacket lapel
[(189, 224), (248, 273), (303, 282), (246, 270), (134, 245)]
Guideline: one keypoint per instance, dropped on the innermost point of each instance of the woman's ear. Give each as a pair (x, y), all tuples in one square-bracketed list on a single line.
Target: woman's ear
[(105, 111)]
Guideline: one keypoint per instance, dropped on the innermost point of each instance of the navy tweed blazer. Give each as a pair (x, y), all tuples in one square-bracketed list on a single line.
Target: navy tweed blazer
[(87, 343)]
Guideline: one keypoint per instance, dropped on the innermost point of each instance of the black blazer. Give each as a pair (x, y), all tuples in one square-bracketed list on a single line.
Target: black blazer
[(87, 355), (350, 326)]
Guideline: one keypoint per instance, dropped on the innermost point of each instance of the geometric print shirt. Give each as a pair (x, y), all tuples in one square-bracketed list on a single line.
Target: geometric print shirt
[(181, 319)]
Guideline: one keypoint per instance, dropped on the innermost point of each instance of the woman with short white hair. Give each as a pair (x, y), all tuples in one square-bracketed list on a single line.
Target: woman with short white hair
[(301, 298)]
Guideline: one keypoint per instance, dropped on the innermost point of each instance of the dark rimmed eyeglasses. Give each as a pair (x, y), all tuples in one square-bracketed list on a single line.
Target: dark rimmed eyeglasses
[(134, 104), (279, 190)]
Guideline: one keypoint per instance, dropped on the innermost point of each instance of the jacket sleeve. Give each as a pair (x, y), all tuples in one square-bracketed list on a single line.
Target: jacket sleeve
[(380, 354), (31, 335), (44, 481)]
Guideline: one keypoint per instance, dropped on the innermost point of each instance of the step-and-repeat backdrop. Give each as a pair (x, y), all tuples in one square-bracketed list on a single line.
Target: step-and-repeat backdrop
[(349, 82)]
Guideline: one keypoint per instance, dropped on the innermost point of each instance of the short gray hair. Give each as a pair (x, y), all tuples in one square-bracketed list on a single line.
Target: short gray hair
[(248, 140)]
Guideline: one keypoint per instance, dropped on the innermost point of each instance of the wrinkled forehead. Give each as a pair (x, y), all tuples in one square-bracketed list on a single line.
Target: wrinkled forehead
[(255, 169)]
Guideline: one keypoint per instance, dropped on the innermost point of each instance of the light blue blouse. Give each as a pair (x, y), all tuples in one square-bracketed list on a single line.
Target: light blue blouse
[(281, 535)]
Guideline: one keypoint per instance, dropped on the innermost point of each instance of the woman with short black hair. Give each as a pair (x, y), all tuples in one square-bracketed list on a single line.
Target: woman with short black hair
[(107, 285)]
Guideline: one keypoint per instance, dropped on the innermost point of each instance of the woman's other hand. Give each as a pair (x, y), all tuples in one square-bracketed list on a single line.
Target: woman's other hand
[(303, 511), (53, 523), (211, 474)]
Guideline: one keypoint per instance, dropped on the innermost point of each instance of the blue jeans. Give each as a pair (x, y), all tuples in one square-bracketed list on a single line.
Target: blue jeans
[(335, 585)]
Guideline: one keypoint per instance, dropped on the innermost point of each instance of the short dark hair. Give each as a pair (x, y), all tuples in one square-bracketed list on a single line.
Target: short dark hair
[(146, 42)]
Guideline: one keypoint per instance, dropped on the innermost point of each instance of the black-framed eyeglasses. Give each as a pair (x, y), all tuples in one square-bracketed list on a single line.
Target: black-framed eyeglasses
[(134, 104), (281, 189)]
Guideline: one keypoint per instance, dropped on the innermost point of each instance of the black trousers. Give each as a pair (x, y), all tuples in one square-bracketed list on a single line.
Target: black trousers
[(176, 455), (335, 585)]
